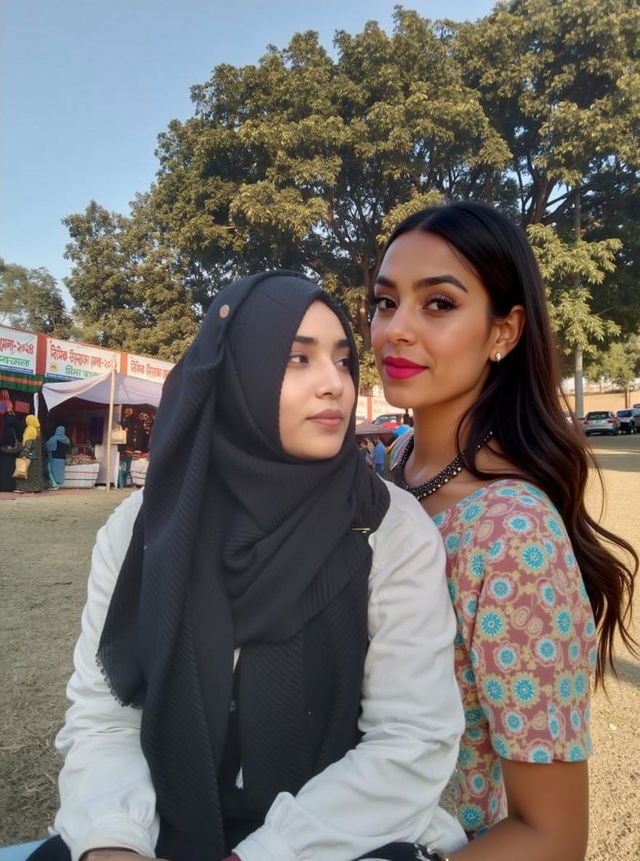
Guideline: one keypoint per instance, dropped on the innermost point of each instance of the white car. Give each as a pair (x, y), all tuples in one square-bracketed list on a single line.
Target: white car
[(629, 420), (601, 421)]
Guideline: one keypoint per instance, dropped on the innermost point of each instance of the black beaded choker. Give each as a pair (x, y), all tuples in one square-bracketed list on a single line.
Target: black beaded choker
[(450, 471)]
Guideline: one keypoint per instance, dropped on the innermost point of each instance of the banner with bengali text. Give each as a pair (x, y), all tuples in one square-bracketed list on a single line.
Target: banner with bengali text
[(70, 361), (18, 351), (154, 370)]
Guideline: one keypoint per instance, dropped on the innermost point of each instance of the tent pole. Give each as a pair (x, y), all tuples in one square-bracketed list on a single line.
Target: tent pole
[(109, 425)]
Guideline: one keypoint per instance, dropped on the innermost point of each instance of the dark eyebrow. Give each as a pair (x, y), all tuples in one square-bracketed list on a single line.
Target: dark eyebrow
[(304, 339), (424, 282)]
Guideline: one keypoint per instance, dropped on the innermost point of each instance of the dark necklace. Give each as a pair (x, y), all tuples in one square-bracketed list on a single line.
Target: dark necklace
[(450, 471)]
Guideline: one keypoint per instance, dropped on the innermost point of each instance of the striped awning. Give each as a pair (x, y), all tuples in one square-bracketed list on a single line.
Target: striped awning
[(20, 382)]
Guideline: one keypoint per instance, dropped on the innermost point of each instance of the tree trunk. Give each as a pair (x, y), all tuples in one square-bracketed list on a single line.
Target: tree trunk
[(579, 399), (579, 392)]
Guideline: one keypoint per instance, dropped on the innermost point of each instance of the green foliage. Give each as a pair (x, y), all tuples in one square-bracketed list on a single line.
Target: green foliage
[(295, 162), (126, 283), (620, 363), (307, 161), (559, 80), (30, 299), (563, 265)]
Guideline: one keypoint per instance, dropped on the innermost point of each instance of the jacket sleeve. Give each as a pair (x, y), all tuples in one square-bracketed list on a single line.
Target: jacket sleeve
[(106, 794), (389, 786)]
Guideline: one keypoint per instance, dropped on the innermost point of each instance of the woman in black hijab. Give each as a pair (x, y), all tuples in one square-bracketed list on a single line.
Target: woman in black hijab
[(10, 440), (274, 667)]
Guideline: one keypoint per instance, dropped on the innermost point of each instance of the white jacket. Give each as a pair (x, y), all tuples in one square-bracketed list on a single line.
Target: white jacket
[(385, 789)]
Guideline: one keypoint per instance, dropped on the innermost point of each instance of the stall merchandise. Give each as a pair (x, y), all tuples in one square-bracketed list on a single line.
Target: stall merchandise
[(88, 402), (139, 470), (80, 473)]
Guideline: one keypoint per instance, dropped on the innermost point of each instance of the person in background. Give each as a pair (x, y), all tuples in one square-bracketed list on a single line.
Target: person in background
[(365, 451), (379, 456), (461, 335), (57, 448), (31, 449), (266, 659), (10, 436), (126, 453)]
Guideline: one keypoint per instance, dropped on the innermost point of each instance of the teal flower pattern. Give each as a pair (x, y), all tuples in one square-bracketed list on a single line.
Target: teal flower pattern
[(546, 649), (533, 557), (525, 644), (491, 623)]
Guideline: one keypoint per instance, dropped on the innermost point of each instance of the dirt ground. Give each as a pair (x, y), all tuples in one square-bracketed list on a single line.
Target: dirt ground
[(46, 544)]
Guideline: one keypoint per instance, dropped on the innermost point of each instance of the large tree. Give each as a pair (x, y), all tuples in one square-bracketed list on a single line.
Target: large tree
[(305, 161), (127, 283), (560, 83), (620, 363), (30, 299), (295, 161)]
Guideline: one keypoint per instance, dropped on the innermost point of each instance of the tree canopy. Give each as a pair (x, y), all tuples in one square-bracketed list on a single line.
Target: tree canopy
[(306, 160), (30, 299)]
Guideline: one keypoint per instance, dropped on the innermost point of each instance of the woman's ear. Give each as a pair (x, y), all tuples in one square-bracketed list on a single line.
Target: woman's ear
[(507, 333)]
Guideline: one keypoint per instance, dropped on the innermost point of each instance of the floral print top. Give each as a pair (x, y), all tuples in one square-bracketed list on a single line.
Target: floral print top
[(526, 641)]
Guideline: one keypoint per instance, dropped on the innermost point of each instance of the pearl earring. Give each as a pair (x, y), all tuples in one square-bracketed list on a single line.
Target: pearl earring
[(498, 357)]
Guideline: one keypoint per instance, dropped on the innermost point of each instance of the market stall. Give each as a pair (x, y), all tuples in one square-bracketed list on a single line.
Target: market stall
[(19, 381), (89, 408)]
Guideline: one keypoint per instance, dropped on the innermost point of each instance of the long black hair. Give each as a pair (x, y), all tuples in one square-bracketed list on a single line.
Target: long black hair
[(520, 403)]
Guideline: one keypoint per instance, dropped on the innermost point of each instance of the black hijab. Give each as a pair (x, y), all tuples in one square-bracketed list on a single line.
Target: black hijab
[(239, 544)]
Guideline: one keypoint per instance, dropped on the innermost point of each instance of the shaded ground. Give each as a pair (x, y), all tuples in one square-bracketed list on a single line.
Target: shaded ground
[(46, 544)]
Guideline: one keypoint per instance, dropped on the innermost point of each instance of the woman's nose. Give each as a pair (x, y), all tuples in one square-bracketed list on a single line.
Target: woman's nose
[(399, 327), (331, 381)]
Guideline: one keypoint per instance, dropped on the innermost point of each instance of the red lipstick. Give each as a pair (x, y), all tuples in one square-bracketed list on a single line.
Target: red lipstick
[(401, 369)]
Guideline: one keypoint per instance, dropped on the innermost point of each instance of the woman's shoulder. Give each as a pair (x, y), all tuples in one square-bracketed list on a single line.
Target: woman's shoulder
[(405, 522), (507, 524), (119, 525), (511, 509), (404, 513), (500, 498)]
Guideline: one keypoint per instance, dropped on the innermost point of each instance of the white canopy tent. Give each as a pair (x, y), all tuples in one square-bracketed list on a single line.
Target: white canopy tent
[(110, 388), (127, 390)]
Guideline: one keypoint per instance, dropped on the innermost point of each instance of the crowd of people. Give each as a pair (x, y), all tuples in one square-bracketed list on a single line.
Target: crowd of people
[(284, 656), (29, 463)]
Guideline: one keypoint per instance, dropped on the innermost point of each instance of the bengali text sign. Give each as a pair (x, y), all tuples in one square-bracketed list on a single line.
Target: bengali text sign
[(78, 361), (18, 351), (154, 370)]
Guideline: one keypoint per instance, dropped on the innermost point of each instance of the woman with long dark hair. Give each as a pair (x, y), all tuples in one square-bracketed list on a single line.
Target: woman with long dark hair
[(462, 336), (266, 657)]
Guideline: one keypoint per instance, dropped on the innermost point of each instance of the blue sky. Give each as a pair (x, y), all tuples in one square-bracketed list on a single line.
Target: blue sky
[(87, 85)]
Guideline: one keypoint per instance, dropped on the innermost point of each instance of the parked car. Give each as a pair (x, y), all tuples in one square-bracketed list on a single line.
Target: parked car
[(571, 417), (601, 421), (389, 420), (388, 424), (629, 420)]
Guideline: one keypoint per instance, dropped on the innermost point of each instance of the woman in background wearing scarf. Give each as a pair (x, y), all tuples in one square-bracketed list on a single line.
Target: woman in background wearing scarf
[(57, 447), (31, 448), (266, 660), (9, 438)]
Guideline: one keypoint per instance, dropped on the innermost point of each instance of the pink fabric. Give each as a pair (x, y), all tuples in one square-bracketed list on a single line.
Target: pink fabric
[(526, 645)]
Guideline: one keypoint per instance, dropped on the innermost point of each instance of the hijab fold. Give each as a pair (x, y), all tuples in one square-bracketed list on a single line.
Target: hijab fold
[(239, 544)]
